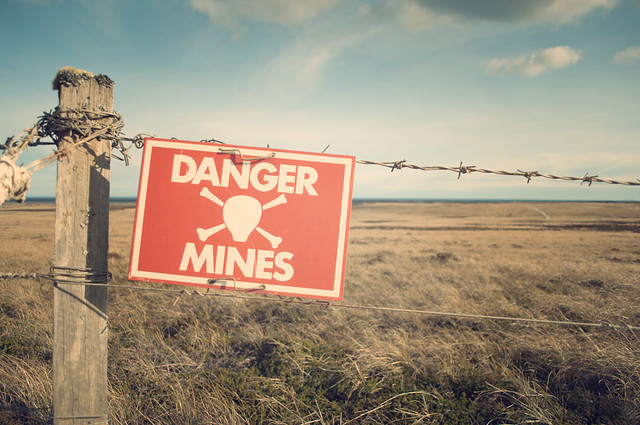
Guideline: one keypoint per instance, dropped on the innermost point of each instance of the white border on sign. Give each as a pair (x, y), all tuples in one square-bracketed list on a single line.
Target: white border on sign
[(347, 162)]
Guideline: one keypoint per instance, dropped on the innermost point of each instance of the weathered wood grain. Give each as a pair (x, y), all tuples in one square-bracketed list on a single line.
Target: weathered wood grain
[(81, 241)]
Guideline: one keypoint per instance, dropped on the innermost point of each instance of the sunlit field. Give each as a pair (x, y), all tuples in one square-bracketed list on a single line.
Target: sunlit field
[(195, 359)]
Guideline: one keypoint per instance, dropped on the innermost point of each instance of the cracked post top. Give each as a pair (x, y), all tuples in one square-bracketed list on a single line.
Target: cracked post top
[(69, 76)]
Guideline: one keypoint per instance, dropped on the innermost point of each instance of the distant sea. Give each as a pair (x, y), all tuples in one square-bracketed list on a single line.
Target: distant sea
[(129, 200), (51, 200)]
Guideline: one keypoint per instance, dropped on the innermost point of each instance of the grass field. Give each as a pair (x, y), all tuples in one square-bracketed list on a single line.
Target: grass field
[(199, 360)]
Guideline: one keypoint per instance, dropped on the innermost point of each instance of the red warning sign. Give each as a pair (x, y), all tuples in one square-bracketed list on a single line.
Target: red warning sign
[(246, 218)]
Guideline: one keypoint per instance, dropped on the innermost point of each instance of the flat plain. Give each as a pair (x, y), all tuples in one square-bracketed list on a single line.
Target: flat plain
[(226, 360)]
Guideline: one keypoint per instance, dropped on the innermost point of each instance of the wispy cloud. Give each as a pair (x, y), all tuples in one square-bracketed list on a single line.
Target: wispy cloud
[(628, 55), (537, 63), (612, 165), (564, 11), (302, 61), (301, 66), (409, 15)]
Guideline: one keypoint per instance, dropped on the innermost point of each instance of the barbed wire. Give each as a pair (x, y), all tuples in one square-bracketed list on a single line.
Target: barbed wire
[(81, 123), (468, 169), (14, 145), (68, 276), (84, 122)]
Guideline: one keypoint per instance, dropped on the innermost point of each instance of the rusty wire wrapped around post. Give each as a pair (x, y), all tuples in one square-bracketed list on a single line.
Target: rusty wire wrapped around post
[(83, 123)]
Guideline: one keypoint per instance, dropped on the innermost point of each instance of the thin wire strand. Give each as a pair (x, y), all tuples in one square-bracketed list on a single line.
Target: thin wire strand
[(288, 300)]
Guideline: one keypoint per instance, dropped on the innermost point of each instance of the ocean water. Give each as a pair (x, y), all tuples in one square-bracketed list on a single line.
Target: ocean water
[(51, 200), (128, 200)]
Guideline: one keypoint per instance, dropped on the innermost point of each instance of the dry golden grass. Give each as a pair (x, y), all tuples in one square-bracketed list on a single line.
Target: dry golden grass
[(230, 361)]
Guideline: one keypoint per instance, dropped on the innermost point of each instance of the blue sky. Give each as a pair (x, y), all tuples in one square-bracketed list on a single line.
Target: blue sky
[(538, 85)]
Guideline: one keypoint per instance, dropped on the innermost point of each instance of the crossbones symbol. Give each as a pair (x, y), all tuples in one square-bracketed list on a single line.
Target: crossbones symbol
[(241, 215)]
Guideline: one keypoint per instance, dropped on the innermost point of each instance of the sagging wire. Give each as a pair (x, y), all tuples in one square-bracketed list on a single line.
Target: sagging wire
[(79, 273)]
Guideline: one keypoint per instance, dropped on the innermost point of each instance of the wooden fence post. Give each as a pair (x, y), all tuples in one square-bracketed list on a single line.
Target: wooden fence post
[(81, 242)]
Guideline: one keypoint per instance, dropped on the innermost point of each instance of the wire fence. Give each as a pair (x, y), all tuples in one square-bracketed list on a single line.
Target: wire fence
[(468, 169), (88, 125), (86, 277)]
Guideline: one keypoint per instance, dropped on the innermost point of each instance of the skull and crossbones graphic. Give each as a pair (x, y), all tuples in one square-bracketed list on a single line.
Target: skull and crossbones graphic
[(241, 215)]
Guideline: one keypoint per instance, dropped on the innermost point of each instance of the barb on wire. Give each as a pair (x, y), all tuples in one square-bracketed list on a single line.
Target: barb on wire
[(588, 178), (528, 175), (398, 165), (14, 145), (468, 169), (464, 170), (137, 141), (20, 276)]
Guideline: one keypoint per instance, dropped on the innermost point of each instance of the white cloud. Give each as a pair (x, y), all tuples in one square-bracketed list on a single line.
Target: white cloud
[(628, 55), (567, 10), (537, 63), (304, 64), (232, 13)]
